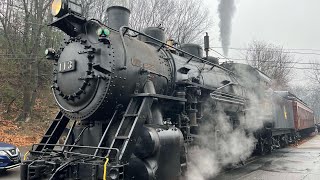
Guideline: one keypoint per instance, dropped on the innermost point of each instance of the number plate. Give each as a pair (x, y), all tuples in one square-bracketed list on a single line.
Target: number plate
[(67, 66)]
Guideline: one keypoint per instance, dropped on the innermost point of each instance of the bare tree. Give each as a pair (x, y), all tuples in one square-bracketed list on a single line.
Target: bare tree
[(271, 60), (23, 25), (314, 73), (310, 95), (184, 21)]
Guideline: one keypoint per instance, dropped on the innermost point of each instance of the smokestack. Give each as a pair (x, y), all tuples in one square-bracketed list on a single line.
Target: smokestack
[(226, 11), (118, 14)]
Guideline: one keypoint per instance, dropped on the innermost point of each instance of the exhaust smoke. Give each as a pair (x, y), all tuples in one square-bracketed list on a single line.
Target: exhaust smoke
[(226, 11)]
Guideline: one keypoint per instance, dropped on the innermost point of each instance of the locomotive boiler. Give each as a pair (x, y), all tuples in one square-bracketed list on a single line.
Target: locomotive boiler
[(134, 103)]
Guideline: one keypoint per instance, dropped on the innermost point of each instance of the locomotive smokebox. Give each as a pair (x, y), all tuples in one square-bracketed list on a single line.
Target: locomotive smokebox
[(118, 14)]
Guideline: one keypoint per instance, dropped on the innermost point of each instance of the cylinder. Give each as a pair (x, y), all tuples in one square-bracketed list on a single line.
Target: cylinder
[(148, 143), (118, 16)]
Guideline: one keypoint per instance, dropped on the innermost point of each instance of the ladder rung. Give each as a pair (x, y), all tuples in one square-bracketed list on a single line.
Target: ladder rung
[(47, 136), (122, 137), (131, 115), (56, 119)]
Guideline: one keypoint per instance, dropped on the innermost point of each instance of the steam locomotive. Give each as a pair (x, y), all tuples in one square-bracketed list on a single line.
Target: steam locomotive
[(135, 104)]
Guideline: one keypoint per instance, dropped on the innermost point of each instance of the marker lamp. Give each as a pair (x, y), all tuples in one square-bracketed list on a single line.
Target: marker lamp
[(103, 32)]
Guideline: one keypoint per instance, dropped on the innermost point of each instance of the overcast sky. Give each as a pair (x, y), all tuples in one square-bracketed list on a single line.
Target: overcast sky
[(287, 23)]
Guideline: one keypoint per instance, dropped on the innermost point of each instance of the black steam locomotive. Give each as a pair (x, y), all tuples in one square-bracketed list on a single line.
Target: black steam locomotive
[(135, 104)]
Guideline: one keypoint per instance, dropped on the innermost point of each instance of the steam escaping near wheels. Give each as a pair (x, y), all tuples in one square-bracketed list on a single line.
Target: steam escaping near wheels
[(222, 143)]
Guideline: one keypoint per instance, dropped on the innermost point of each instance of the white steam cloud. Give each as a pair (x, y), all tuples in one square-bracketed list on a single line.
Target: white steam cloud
[(220, 143), (226, 11)]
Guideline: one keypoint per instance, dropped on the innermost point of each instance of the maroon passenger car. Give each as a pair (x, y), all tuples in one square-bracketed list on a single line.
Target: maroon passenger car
[(303, 117)]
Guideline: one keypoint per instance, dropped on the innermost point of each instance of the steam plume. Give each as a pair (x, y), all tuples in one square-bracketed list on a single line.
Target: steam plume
[(226, 11), (222, 144), (227, 146)]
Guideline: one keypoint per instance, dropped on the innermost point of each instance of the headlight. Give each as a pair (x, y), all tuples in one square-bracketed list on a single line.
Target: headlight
[(56, 7), (2, 153), (62, 7)]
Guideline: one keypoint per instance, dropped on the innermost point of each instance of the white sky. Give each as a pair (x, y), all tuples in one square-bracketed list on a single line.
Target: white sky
[(287, 23)]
